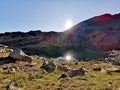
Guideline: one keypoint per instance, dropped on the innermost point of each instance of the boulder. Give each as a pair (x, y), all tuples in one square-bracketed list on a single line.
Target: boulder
[(76, 72), (50, 67), (12, 54), (64, 68), (18, 54), (97, 69), (114, 57), (62, 76), (113, 69)]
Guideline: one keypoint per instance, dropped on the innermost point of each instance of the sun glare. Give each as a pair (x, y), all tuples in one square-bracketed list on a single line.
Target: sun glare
[(68, 57), (68, 24)]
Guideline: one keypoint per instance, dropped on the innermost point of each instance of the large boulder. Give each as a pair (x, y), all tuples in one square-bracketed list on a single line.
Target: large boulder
[(50, 67), (18, 54), (77, 72), (114, 57), (12, 54)]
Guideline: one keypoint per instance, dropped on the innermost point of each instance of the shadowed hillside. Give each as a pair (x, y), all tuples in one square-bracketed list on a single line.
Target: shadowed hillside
[(88, 39)]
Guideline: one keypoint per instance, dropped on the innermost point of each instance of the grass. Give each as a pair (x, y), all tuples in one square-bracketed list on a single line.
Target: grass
[(90, 81)]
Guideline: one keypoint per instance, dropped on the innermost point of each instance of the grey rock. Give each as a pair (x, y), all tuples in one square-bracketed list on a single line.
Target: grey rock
[(97, 69), (20, 55), (11, 70), (113, 69), (50, 67), (114, 57), (10, 86), (77, 72), (60, 88), (64, 68), (62, 76), (12, 54)]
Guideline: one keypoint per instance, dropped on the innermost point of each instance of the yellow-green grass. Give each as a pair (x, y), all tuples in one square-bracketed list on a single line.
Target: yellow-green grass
[(90, 81)]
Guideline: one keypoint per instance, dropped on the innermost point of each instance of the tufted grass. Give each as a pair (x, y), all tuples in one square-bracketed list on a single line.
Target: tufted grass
[(90, 81)]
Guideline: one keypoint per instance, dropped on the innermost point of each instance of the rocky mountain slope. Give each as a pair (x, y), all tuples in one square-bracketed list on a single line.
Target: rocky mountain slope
[(88, 39), (95, 36), (33, 42)]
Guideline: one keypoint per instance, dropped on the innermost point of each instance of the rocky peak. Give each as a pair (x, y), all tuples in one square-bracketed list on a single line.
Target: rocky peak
[(105, 17)]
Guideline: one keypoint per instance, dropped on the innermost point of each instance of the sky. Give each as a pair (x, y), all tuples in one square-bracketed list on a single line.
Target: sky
[(50, 15)]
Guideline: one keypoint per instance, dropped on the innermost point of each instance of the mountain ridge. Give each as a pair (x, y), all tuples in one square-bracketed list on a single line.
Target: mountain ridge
[(88, 39)]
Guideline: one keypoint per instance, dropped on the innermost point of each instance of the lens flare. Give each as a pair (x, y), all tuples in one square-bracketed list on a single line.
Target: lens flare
[(68, 57)]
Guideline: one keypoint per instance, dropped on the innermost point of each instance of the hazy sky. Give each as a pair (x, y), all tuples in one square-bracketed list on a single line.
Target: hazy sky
[(50, 15)]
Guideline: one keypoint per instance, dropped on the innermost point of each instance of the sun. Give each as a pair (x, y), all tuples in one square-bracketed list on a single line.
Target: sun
[(68, 24)]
